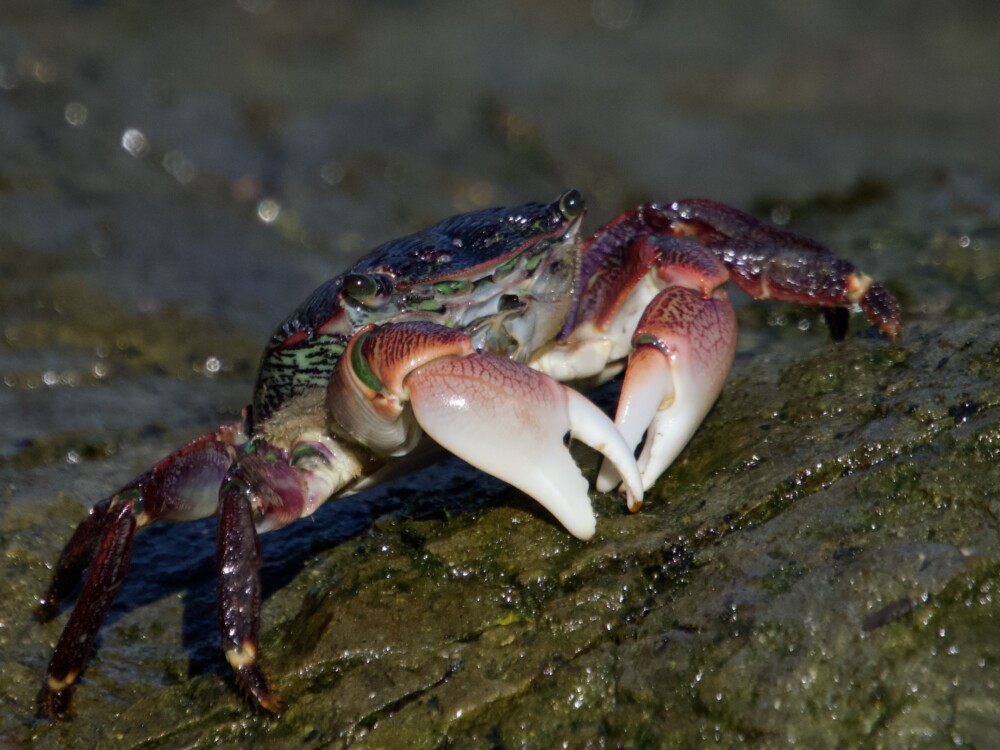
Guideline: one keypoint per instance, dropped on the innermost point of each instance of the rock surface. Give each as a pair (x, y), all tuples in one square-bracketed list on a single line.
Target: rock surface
[(817, 570)]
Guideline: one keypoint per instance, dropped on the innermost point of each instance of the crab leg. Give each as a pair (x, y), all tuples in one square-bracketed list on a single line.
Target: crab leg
[(771, 263), (265, 489), (683, 349), (180, 487), (76, 557), (113, 554), (239, 562), (499, 415)]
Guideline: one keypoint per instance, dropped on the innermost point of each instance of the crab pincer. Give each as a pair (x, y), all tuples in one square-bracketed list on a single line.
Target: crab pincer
[(683, 349), (497, 414)]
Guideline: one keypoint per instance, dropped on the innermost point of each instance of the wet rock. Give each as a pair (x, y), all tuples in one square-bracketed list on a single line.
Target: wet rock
[(827, 577), (836, 583)]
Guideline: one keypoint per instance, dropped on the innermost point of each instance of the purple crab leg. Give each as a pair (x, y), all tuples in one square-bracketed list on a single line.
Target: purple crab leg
[(262, 491), (239, 591), (107, 572), (75, 559), (771, 263), (764, 261), (181, 487)]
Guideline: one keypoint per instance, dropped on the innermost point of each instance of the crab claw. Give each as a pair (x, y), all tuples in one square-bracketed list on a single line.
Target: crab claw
[(683, 349), (510, 421)]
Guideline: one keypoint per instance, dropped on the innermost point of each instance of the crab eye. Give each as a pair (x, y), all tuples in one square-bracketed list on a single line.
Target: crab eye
[(571, 204), (370, 291)]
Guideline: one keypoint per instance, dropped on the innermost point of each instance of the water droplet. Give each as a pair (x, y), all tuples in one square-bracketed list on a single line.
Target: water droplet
[(332, 173), (179, 166), (781, 215), (268, 210), (134, 141), (75, 114), (44, 70)]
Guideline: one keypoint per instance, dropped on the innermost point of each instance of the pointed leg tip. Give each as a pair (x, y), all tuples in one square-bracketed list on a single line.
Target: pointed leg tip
[(271, 704), (54, 704), (258, 691), (894, 330), (882, 309)]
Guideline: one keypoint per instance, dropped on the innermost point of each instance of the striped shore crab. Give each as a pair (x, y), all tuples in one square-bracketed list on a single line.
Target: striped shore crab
[(463, 336)]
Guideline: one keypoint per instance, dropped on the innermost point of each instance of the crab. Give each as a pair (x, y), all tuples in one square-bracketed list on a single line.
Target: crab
[(460, 337)]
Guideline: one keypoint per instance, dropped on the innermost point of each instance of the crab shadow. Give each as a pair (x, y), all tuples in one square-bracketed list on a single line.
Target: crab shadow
[(171, 559), (180, 559)]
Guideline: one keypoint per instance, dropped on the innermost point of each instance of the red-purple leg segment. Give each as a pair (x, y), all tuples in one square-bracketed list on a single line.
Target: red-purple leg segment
[(238, 588), (764, 261), (262, 491), (679, 261), (114, 552), (183, 486), (75, 559), (771, 263), (180, 487)]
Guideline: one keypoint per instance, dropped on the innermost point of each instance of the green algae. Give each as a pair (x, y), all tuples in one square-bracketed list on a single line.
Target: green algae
[(67, 314), (60, 448)]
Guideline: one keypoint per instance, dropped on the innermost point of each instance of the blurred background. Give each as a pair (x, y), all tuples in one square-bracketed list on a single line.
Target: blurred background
[(176, 177), (229, 156)]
